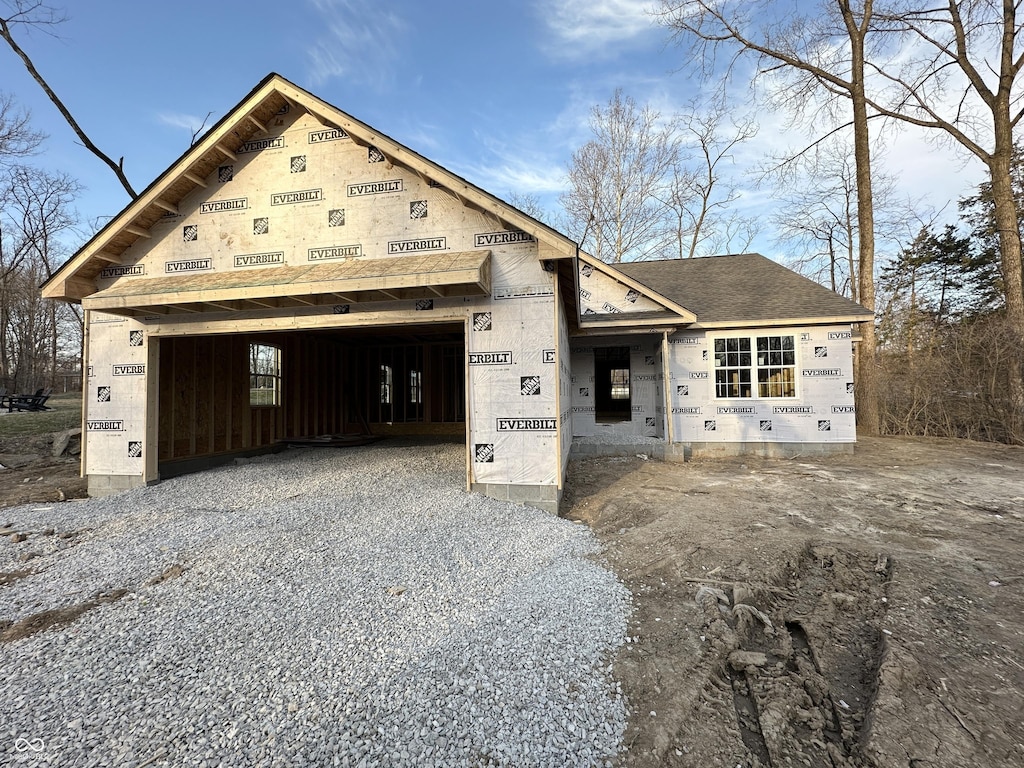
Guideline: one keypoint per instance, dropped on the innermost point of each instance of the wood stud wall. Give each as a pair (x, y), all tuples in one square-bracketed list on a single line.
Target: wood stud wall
[(204, 393)]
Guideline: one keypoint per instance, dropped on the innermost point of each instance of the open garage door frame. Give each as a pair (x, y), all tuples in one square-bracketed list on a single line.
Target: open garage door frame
[(203, 409)]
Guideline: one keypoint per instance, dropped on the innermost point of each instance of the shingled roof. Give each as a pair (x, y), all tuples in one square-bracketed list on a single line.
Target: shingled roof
[(743, 289)]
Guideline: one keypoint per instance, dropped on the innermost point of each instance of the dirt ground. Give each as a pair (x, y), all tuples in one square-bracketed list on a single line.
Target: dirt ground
[(859, 610), (31, 474)]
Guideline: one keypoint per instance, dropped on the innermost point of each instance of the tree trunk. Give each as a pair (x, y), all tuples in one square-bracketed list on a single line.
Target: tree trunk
[(1013, 281), (868, 413)]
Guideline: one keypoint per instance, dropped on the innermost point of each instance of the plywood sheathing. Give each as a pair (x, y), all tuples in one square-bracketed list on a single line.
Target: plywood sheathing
[(76, 279), (464, 273)]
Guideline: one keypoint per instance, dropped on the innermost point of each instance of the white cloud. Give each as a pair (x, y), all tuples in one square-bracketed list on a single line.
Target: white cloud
[(587, 28), (190, 123), (360, 39)]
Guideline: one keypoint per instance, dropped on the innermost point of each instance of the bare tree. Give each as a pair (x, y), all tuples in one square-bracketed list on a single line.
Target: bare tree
[(612, 204), (821, 53), (960, 77), (35, 210), (697, 193), (17, 139), (38, 15)]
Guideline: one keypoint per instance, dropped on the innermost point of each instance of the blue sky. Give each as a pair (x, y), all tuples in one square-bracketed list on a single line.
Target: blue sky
[(498, 92)]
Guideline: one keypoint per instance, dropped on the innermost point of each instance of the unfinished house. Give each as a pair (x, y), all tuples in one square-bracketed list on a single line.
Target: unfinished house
[(297, 273)]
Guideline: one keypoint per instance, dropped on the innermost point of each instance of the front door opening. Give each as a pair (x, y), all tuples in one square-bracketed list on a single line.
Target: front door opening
[(612, 401)]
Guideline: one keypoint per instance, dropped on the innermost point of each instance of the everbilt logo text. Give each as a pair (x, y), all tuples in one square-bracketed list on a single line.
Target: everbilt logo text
[(104, 426), (189, 265), (729, 409), (490, 358), (822, 372), (256, 259), (685, 340), (130, 369), (527, 425), (839, 335), (375, 187), (335, 252), (844, 409), (135, 269), (217, 206), (277, 142), (485, 239), (429, 244), (331, 134), (792, 409), (299, 196)]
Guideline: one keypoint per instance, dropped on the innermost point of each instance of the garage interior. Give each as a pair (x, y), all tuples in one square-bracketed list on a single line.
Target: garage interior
[(241, 394)]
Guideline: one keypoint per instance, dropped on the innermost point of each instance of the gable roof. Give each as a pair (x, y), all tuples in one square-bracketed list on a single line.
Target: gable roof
[(744, 290), (76, 278)]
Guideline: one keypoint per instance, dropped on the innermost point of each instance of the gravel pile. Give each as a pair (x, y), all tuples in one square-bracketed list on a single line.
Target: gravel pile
[(346, 608)]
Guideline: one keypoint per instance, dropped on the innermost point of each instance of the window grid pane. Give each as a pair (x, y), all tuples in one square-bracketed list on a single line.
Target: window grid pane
[(772, 366)]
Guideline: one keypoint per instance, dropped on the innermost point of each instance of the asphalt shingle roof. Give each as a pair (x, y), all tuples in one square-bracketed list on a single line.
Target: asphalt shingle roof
[(741, 288)]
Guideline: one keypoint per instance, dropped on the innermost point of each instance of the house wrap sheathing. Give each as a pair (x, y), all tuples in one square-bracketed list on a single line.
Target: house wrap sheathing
[(297, 273)]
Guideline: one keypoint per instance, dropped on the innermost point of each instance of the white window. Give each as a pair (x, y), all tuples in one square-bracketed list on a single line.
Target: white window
[(755, 366), (264, 374)]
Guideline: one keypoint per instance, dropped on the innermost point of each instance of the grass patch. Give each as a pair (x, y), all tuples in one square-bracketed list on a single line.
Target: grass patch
[(66, 414)]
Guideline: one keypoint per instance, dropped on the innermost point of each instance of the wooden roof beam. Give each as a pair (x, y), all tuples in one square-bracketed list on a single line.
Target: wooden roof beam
[(166, 206), (256, 122), (226, 152), (347, 299), (390, 294), (138, 231), (110, 257), (194, 179)]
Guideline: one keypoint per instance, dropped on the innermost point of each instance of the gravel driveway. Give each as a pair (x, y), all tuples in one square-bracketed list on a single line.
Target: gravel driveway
[(319, 607)]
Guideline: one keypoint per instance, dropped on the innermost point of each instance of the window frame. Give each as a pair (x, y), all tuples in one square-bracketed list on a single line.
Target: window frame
[(255, 375), (755, 366)]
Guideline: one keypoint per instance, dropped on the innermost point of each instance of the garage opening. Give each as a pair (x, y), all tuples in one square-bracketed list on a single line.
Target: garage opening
[(222, 396)]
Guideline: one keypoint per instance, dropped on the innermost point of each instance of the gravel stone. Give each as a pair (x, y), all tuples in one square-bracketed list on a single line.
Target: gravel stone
[(328, 607)]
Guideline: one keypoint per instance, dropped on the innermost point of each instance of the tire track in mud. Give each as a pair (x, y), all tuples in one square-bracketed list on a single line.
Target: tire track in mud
[(802, 663)]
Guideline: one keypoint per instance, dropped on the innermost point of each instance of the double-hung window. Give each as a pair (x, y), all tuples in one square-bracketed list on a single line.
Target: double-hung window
[(755, 366)]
